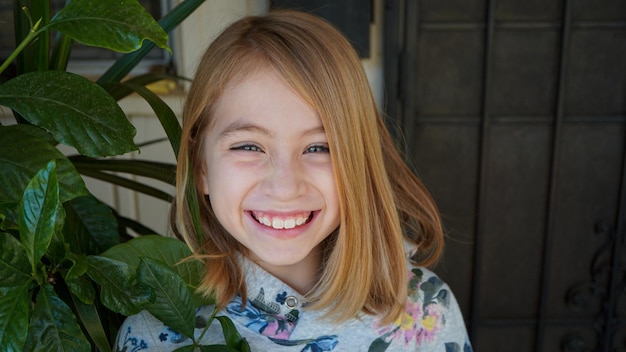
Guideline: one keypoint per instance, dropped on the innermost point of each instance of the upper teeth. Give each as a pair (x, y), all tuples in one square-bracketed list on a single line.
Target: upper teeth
[(281, 222)]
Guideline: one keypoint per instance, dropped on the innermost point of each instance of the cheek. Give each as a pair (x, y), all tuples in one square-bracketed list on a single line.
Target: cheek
[(326, 182), (225, 185)]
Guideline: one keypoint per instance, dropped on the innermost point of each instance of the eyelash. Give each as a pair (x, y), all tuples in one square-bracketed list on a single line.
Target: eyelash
[(317, 149), (255, 148), (247, 148)]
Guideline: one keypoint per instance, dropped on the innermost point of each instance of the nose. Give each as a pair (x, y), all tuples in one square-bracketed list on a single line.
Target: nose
[(284, 180)]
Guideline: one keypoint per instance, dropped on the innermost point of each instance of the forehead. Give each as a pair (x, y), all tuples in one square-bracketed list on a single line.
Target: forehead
[(263, 98)]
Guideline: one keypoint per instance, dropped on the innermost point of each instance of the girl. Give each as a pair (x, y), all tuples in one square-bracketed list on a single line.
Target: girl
[(314, 231)]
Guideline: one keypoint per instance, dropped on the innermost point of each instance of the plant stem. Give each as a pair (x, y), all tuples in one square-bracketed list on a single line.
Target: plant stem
[(206, 328), (31, 35)]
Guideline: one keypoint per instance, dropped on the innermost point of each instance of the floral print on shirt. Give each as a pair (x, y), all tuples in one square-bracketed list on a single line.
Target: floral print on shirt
[(423, 318), (264, 318), (430, 321)]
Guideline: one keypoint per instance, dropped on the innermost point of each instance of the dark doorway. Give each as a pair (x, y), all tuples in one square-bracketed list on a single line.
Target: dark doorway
[(514, 114)]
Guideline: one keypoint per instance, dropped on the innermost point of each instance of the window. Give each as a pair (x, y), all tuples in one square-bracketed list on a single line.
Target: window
[(85, 59)]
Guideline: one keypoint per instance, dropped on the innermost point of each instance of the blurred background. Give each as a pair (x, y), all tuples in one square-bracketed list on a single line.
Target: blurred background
[(513, 112)]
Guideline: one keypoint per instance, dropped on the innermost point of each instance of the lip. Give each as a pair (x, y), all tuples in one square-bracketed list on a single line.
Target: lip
[(282, 233)]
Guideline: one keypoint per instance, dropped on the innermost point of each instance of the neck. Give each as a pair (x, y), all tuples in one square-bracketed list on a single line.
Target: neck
[(301, 276)]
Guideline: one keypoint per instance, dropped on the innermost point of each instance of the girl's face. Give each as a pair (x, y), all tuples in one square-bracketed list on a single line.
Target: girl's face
[(269, 176)]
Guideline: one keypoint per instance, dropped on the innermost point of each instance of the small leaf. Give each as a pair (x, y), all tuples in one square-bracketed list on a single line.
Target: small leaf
[(38, 213), (53, 326), (119, 291), (79, 266), (379, 345), (14, 312), (120, 25), (172, 303), (82, 288), (14, 266), (90, 225), (75, 110), (231, 335), (26, 150), (76, 281)]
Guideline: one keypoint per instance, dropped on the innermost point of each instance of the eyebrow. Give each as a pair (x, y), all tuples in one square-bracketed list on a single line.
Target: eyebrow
[(242, 126)]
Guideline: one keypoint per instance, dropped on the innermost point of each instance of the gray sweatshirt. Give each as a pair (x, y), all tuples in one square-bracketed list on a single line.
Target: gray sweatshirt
[(275, 318)]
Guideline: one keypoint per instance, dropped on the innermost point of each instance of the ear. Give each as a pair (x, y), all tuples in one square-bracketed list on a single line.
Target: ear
[(204, 184)]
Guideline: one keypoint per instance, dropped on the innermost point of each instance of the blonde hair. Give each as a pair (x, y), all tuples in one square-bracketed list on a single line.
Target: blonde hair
[(364, 262)]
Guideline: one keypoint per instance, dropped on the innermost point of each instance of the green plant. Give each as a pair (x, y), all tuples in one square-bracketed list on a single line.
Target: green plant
[(68, 271)]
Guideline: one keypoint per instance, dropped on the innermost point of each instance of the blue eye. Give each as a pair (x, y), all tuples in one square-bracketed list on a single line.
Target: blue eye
[(247, 148), (317, 149)]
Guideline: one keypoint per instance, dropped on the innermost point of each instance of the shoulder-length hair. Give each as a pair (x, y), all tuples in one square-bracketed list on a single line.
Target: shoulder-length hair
[(382, 203)]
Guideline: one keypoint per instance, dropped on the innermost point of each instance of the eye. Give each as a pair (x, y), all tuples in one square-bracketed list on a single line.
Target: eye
[(317, 149), (247, 148)]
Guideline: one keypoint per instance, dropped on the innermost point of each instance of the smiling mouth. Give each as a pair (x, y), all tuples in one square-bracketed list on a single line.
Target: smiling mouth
[(282, 222)]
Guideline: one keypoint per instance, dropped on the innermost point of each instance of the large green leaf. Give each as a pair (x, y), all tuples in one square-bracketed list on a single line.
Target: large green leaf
[(90, 318), (119, 91), (53, 326), (8, 215), (14, 267), (164, 172), (119, 290), (126, 63), (14, 312), (26, 150), (39, 211), (75, 110), (164, 249), (173, 302), (90, 226), (120, 25), (58, 247), (128, 183), (164, 113)]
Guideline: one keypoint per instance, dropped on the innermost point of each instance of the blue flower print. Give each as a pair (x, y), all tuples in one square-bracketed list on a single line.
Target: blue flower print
[(132, 344), (264, 318), (321, 344), (281, 297), (176, 337), (249, 316), (454, 347)]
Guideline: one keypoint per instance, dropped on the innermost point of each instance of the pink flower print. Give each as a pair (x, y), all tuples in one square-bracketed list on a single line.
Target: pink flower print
[(431, 324), (278, 328), (415, 324), (410, 320), (406, 326)]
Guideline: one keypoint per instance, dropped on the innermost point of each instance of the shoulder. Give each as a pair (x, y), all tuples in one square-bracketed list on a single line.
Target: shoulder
[(432, 319), (427, 288)]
